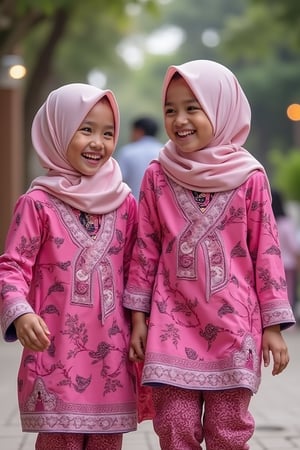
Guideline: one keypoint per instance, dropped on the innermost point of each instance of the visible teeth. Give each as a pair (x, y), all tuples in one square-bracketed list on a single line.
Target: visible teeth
[(184, 133), (90, 156)]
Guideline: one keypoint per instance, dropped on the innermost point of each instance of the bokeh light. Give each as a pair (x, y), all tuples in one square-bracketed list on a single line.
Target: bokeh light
[(210, 38), (17, 71), (97, 78), (293, 112)]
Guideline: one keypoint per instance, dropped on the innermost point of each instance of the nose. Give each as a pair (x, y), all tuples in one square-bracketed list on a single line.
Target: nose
[(96, 143), (181, 118)]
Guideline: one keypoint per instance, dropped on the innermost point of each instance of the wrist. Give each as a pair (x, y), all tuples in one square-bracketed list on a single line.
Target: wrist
[(138, 317), (275, 328)]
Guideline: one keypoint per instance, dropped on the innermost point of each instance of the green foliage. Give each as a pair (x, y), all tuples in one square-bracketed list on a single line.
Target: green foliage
[(139, 91), (262, 43), (88, 44), (286, 173), (19, 19), (286, 12), (266, 28), (258, 42), (252, 35), (46, 7)]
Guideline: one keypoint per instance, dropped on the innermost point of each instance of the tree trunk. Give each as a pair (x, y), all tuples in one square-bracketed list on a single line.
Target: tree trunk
[(40, 74)]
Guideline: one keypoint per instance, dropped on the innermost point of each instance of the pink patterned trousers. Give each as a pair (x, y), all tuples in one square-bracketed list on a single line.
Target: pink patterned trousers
[(226, 423), (73, 441)]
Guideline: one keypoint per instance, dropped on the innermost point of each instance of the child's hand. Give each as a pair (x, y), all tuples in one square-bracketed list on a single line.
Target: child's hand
[(273, 342), (138, 337), (32, 332)]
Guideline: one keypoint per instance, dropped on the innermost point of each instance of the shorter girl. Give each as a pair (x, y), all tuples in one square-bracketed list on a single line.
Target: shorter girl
[(206, 270), (62, 276)]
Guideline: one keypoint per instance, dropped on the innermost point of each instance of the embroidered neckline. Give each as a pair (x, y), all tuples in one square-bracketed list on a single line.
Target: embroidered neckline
[(202, 199), (90, 222)]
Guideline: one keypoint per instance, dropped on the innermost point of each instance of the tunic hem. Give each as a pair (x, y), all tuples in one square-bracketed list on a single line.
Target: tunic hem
[(187, 379), (78, 423)]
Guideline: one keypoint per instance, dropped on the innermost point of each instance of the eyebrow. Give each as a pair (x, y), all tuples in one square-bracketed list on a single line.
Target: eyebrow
[(90, 122)]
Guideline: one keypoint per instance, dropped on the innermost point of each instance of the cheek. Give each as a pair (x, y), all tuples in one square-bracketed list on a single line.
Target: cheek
[(167, 124), (207, 128), (210, 127), (111, 148)]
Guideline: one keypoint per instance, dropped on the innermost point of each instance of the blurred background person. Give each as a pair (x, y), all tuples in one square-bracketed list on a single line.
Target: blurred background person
[(135, 156), (290, 246)]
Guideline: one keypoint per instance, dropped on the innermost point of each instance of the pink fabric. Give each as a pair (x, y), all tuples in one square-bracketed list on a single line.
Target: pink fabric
[(84, 382), (227, 423), (52, 130), (210, 281), (178, 419), (77, 441), (144, 396), (225, 164)]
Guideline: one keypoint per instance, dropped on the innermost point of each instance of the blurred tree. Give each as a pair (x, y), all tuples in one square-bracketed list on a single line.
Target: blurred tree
[(259, 32), (263, 43), (201, 23), (285, 15), (286, 175), (36, 29), (61, 40)]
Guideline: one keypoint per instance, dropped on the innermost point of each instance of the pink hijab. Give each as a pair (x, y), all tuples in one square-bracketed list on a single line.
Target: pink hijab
[(224, 164), (52, 130)]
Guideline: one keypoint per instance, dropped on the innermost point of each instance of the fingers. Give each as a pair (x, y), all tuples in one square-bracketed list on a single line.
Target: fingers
[(273, 343), (138, 340), (44, 326), (32, 332), (281, 360), (34, 340), (266, 357), (133, 355), (136, 353)]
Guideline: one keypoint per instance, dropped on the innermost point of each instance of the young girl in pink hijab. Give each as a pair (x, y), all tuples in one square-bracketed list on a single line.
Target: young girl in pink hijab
[(206, 272), (62, 277)]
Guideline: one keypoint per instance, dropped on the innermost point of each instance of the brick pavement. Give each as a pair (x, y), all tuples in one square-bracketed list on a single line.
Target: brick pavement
[(276, 407)]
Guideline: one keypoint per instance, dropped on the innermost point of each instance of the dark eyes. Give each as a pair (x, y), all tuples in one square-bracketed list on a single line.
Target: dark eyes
[(89, 130), (169, 110), (189, 108), (86, 129)]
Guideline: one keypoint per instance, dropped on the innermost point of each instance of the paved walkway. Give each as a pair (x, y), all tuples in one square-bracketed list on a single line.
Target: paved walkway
[(276, 407)]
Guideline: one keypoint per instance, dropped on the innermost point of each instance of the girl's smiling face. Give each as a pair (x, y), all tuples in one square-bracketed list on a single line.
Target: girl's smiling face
[(94, 141), (186, 123)]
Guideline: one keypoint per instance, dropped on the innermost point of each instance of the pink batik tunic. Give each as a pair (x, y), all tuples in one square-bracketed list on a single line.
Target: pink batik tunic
[(84, 382), (211, 278)]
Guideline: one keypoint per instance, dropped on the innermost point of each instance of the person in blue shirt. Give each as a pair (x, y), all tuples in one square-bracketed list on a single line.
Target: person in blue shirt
[(135, 156)]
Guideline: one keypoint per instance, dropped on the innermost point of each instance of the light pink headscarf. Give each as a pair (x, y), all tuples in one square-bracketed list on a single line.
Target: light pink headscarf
[(224, 164), (52, 130)]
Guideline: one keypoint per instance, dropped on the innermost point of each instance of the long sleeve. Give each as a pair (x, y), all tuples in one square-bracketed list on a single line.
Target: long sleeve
[(16, 264), (130, 238), (147, 249), (266, 255)]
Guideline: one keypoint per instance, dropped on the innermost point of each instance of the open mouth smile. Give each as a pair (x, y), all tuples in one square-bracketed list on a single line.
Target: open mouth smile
[(183, 134), (92, 156)]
